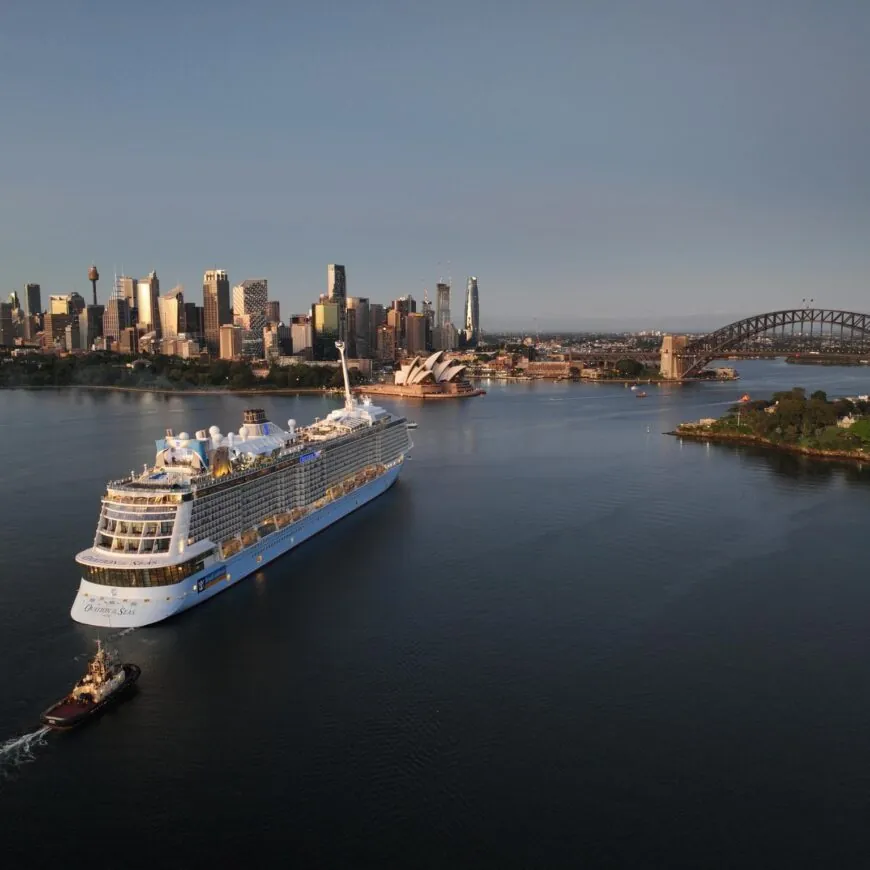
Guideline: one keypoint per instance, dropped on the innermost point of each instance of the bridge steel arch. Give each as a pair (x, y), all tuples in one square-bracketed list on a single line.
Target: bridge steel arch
[(701, 351)]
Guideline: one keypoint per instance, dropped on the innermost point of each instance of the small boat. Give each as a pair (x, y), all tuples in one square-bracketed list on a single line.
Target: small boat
[(634, 386), (411, 424), (106, 681), (745, 397), (640, 395)]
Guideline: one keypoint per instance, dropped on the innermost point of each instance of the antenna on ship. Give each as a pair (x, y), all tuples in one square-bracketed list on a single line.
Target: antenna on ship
[(348, 396)]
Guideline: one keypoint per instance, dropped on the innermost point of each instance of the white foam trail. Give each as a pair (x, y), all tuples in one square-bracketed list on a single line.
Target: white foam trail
[(19, 750)]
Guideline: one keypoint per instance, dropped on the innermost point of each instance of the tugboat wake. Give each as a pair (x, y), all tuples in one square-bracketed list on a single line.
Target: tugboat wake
[(19, 750)]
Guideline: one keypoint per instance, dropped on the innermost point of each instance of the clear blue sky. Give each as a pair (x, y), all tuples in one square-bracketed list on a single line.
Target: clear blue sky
[(619, 159)]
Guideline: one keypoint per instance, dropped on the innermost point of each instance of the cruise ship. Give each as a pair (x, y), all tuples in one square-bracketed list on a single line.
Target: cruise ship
[(215, 508)]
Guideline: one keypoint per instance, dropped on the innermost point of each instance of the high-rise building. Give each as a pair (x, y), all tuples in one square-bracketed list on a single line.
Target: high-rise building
[(336, 291), (325, 320), (377, 318), (58, 304), (90, 326), (33, 299), (231, 341), (126, 286), (116, 317), (273, 311), (472, 313), (249, 311), (7, 335), (54, 328), (215, 307), (147, 305), (301, 334), (276, 341), (76, 303), (193, 321), (415, 334), (358, 328), (72, 336), (386, 343), (442, 304), (171, 307)]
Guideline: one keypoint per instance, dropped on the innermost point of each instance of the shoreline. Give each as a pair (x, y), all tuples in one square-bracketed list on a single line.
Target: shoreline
[(757, 441), (217, 391)]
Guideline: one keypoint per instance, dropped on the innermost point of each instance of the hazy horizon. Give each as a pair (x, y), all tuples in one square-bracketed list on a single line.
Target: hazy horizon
[(587, 161)]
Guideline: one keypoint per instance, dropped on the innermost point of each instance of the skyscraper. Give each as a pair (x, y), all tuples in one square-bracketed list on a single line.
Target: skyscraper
[(336, 291), (126, 286), (116, 317), (325, 320), (216, 307), (90, 325), (472, 313), (7, 336), (171, 307), (147, 296), (249, 311), (33, 299), (273, 311), (358, 328), (442, 304), (415, 334)]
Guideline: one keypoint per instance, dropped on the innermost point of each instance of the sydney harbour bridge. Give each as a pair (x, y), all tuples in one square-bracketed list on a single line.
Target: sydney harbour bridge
[(797, 331)]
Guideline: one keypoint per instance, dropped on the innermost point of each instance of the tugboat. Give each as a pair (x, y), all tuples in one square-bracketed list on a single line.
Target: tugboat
[(105, 682)]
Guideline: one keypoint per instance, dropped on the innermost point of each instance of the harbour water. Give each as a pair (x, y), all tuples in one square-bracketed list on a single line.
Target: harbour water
[(562, 639)]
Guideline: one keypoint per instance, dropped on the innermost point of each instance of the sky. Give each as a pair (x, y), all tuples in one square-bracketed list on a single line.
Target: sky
[(622, 162)]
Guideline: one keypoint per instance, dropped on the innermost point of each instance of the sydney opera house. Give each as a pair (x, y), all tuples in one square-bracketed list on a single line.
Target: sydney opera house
[(437, 377)]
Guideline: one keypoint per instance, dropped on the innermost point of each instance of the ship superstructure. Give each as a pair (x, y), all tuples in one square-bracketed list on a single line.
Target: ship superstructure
[(215, 507)]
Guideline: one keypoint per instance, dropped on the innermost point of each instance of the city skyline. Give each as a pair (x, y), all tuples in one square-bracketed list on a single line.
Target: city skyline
[(705, 156)]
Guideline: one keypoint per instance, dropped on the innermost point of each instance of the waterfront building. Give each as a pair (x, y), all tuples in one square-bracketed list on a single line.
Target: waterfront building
[(325, 326), (415, 334), (33, 299), (472, 313), (249, 312), (336, 291), (358, 328), (301, 334), (215, 306), (231, 337), (147, 305), (171, 307)]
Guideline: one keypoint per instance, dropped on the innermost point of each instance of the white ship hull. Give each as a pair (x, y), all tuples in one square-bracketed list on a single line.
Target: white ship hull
[(134, 607)]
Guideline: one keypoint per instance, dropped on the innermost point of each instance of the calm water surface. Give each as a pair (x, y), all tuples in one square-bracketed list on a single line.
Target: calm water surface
[(562, 639)]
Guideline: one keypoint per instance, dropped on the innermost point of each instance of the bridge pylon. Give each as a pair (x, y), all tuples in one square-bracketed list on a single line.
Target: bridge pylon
[(673, 363)]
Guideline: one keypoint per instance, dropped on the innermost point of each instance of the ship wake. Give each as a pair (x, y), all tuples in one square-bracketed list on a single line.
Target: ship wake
[(20, 750)]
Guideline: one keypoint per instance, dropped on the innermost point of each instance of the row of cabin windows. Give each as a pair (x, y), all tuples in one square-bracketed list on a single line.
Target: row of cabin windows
[(133, 545), (152, 530), (128, 577)]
